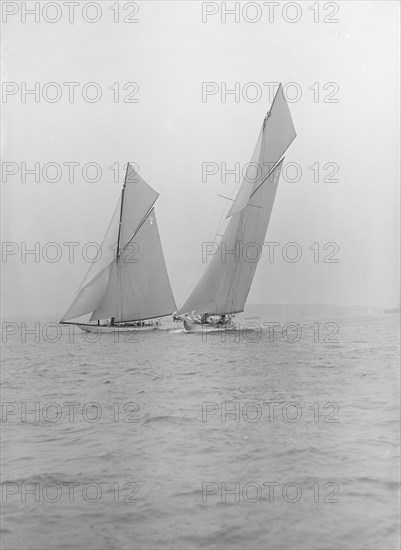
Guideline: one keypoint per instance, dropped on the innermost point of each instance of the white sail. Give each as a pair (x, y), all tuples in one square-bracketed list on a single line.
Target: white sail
[(137, 267), (95, 282), (252, 175), (224, 285), (278, 132), (138, 199), (138, 287)]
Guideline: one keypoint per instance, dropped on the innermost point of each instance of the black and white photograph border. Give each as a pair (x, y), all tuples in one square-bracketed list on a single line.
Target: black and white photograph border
[(200, 265)]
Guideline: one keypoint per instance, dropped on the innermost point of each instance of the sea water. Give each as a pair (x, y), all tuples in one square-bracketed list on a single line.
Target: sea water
[(166, 439)]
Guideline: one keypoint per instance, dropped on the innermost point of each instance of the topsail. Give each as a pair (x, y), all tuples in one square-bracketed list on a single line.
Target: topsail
[(225, 283), (276, 135), (133, 283)]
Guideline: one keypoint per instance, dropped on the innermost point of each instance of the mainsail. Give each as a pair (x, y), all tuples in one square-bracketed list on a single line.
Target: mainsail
[(133, 283), (224, 285)]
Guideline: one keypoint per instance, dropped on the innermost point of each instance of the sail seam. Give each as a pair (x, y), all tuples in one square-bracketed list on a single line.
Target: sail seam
[(141, 223)]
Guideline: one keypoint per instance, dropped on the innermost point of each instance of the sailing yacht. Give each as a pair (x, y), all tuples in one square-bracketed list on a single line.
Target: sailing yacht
[(224, 285), (130, 289)]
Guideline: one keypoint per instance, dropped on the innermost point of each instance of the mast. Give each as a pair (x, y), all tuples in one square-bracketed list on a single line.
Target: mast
[(121, 213)]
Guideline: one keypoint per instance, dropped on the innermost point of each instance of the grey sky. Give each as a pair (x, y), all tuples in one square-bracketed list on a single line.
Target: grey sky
[(170, 132)]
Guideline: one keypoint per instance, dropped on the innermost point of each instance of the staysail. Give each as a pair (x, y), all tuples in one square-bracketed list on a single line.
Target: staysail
[(132, 283), (224, 285)]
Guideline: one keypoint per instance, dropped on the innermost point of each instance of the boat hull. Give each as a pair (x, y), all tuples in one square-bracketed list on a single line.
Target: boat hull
[(104, 329), (192, 326)]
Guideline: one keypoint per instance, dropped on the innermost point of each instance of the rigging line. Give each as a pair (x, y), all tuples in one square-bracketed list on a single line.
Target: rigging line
[(238, 185), (244, 225), (138, 286), (238, 270), (252, 141), (261, 163), (260, 130), (131, 288), (134, 284), (147, 279), (164, 260), (249, 154), (233, 272), (265, 178), (147, 318), (82, 286), (149, 288), (274, 99), (121, 211), (232, 297), (245, 218), (223, 197), (223, 218), (85, 281), (141, 223), (213, 221), (275, 166), (241, 229), (121, 290), (199, 274), (193, 283)]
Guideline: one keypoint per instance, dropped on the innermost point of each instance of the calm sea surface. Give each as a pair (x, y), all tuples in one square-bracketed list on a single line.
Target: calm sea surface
[(179, 441)]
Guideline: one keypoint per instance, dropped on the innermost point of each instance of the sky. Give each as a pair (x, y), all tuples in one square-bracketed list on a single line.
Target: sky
[(342, 78)]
